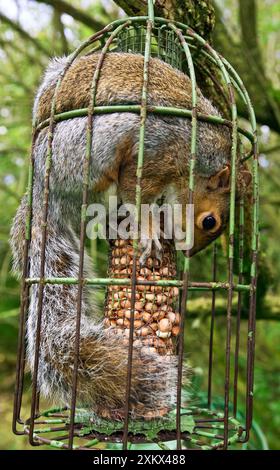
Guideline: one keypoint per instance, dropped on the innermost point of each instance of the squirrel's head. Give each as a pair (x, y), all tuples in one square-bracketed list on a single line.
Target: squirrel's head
[(211, 204)]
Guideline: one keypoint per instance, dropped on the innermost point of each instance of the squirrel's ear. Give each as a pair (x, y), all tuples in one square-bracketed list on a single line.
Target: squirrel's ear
[(220, 180)]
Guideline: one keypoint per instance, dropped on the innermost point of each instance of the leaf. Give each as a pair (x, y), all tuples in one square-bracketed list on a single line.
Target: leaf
[(150, 429)]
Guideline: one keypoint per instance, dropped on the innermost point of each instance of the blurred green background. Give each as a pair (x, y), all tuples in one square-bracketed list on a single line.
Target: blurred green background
[(32, 31)]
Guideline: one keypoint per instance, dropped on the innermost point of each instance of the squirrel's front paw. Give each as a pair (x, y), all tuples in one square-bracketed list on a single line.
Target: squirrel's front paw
[(147, 247)]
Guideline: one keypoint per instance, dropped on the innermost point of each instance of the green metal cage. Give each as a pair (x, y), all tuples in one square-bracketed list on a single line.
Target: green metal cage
[(195, 427)]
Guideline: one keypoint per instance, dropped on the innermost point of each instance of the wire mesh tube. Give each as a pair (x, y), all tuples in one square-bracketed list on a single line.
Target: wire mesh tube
[(156, 323)]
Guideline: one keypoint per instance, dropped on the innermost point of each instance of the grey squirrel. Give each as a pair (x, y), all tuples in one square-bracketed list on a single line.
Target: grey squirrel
[(103, 359)]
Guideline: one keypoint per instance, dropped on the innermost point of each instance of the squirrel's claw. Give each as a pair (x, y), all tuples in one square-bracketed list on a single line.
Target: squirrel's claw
[(158, 249), (147, 247)]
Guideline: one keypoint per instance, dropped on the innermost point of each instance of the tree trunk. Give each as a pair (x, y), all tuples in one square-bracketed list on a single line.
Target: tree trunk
[(198, 14)]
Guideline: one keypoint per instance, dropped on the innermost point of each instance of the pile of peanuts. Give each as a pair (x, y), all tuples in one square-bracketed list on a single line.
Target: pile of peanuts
[(156, 321)]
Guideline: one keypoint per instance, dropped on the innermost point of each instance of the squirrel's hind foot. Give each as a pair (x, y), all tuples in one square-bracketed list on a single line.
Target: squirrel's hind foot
[(136, 412)]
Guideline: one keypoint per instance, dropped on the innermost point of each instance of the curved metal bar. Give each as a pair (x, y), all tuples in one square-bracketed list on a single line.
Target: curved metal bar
[(93, 92), (239, 304), (135, 108), (140, 161), (213, 61), (189, 228), (212, 327), (24, 298)]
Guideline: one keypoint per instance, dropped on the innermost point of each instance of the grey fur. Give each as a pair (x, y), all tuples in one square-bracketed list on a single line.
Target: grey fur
[(59, 306)]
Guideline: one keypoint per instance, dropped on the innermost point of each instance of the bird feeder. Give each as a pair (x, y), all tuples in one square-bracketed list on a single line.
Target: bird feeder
[(134, 293)]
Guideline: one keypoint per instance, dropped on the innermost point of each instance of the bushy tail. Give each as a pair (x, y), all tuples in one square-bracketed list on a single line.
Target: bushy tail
[(102, 368)]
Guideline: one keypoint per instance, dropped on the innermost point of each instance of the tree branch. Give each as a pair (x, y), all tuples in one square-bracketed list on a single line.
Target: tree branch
[(64, 7), (12, 46), (9, 192), (11, 79), (16, 27), (59, 32), (273, 149), (249, 38), (248, 22)]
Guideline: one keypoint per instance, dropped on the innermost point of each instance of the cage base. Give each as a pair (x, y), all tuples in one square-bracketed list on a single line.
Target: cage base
[(201, 429)]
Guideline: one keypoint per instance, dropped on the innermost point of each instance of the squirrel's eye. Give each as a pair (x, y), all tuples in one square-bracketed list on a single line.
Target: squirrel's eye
[(209, 222)]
